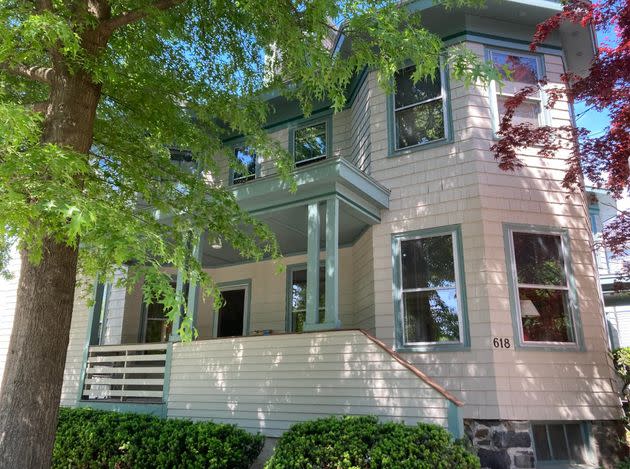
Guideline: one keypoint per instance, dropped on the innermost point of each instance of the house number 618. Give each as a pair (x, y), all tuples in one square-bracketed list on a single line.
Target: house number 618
[(501, 342)]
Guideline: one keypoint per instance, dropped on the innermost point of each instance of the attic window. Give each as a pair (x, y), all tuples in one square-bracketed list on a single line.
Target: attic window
[(418, 109)]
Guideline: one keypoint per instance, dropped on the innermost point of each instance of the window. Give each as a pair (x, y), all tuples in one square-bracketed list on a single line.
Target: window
[(418, 109), (248, 160), (561, 443), (297, 298), (430, 299), (310, 143), (540, 284), (518, 71)]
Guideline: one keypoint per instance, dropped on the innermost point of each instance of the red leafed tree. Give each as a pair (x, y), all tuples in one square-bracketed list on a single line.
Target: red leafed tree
[(603, 159)]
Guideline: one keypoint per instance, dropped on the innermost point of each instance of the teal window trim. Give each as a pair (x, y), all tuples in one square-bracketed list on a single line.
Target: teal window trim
[(288, 323), (240, 143), (460, 281), (587, 435), (159, 410), (446, 109), (245, 284), (545, 115), (325, 118), (574, 310), (92, 332)]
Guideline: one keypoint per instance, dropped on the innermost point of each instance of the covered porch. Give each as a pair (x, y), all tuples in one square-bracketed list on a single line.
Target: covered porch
[(129, 346)]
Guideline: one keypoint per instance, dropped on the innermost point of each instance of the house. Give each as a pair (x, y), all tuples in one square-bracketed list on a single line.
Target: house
[(422, 283), (602, 209)]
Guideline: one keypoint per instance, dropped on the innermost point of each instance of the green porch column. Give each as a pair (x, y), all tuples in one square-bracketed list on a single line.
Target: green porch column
[(331, 320), (193, 287), (179, 290), (312, 269)]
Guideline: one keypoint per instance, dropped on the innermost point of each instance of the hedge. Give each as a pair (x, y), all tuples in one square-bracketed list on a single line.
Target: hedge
[(363, 442), (88, 438)]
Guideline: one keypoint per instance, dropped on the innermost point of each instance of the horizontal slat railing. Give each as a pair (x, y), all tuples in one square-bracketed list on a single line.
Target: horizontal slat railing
[(125, 373)]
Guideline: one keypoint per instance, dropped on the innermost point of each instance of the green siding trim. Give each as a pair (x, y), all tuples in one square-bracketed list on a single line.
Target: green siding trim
[(159, 410), (498, 41), (448, 121), (458, 256), (92, 332), (246, 284), (166, 387), (574, 310), (455, 420)]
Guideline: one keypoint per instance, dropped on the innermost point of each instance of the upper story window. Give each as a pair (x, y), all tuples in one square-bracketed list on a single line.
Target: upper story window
[(518, 71), (247, 157), (419, 109), (310, 143), (539, 271), (429, 289)]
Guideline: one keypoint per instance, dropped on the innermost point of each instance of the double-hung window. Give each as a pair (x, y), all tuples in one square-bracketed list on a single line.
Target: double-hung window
[(247, 158), (419, 109), (297, 298), (310, 143), (428, 288), (540, 283), (518, 71)]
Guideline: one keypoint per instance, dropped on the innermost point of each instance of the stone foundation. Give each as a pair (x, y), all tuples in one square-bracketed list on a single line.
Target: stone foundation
[(502, 444), (610, 442)]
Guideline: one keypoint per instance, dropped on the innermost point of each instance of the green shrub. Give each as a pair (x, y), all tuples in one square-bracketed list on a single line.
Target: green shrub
[(363, 442), (88, 438)]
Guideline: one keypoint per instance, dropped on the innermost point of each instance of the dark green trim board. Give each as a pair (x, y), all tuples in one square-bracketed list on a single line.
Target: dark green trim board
[(498, 41), (92, 332), (159, 410), (574, 310), (455, 420), (460, 279)]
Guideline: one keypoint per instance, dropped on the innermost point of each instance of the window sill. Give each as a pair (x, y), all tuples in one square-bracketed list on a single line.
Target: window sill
[(547, 347), (418, 148), (432, 348)]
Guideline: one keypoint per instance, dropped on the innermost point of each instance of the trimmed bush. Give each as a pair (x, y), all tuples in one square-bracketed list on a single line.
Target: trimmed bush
[(363, 442), (88, 438)]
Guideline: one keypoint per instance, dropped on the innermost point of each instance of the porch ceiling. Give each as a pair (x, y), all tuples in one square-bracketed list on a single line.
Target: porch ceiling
[(360, 201)]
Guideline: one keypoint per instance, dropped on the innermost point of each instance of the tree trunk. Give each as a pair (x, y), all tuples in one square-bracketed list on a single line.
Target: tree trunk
[(31, 388), (33, 376)]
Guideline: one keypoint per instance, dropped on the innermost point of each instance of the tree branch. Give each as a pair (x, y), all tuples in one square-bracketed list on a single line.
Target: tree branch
[(132, 16), (40, 74)]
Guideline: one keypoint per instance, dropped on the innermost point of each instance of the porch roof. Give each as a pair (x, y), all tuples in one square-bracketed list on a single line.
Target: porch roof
[(270, 199)]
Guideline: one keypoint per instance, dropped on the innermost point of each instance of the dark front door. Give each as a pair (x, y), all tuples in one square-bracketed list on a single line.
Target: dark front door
[(232, 313)]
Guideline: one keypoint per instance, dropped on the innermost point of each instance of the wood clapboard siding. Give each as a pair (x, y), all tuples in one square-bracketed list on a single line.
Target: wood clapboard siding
[(8, 294), (265, 384)]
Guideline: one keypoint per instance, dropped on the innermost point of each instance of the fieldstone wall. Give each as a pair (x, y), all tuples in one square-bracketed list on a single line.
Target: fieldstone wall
[(611, 445), (502, 444)]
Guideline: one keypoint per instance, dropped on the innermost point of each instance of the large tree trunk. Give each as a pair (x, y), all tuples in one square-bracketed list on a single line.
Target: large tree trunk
[(31, 388), (33, 376)]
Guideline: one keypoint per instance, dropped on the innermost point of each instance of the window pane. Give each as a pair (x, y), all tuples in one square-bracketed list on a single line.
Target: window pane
[(298, 298), (539, 259), (157, 331), (544, 315), (431, 316), (420, 124), (310, 142), (577, 448), (248, 158), (155, 311), (541, 443), (558, 442), (428, 262), (528, 112), (524, 70), (408, 92)]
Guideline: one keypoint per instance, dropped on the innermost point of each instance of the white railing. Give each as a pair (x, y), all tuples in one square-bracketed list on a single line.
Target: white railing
[(125, 373)]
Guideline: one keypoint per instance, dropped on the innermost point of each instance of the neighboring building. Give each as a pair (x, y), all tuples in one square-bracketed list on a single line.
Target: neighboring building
[(432, 286), (615, 290)]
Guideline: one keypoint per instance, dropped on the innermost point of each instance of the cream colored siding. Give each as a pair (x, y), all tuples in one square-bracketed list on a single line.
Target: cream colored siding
[(76, 347), (8, 294), (363, 261), (361, 144), (460, 183), (112, 327), (264, 384)]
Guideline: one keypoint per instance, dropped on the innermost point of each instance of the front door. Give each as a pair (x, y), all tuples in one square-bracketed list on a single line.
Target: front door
[(232, 317)]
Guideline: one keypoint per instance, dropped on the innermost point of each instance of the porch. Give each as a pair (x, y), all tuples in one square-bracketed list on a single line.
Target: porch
[(266, 383)]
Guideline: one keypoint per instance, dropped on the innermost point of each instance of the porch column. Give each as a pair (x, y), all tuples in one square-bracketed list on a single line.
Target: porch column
[(331, 320), (179, 290), (312, 269), (193, 287)]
